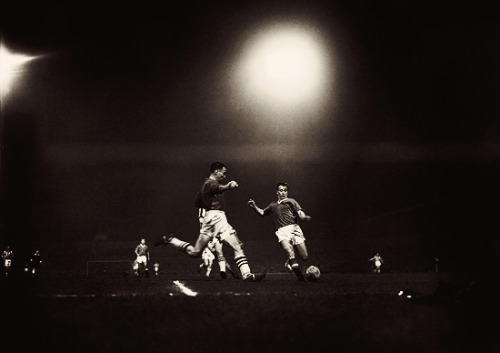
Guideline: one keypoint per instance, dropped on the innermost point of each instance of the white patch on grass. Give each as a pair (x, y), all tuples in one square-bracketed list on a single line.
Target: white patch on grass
[(185, 289)]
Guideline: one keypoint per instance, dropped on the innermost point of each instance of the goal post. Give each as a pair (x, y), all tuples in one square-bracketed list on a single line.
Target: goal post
[(109, 267)]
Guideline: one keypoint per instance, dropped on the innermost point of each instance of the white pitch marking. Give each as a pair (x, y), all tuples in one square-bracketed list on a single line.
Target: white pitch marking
[(185, 289)]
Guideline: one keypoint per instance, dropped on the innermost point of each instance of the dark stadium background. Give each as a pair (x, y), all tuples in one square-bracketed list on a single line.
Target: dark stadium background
[(113, 130)]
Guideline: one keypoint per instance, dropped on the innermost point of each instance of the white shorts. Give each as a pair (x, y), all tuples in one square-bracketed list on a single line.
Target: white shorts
[(7, 262), (215, 225), (141, 259), (291, 233), (378, 263)]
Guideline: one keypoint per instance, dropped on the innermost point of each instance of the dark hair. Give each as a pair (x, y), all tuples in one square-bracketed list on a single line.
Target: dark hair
[(282, 183), (216, 165)]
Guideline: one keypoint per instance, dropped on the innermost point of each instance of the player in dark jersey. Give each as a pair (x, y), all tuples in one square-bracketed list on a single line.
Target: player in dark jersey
[(286, 212), (7, 256), (214, 224), (35, 263)]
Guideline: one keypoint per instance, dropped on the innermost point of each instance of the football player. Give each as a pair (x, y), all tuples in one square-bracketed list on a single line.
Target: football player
[(286, 213), (7, 256), (376, 263), (215, 248), (214, 223), (142, 253)]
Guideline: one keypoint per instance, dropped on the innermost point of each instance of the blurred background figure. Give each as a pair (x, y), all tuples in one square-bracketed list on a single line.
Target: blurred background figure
[(35, 263), (376, 263), (7, 256), (208, 258), (215, 246), (142, 252), (156, 268)]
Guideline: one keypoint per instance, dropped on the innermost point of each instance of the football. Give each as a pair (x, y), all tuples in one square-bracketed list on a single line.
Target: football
[(313, 273)]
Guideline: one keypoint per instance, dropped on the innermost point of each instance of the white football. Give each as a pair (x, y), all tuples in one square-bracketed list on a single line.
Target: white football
[(313, 273)]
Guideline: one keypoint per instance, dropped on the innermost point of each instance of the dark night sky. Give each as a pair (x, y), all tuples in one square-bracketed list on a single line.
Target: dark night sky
[(114, 127)]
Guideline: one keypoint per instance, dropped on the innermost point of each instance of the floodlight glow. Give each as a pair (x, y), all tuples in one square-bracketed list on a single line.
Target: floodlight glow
[(284, 69), (285, 66), (11, 65)]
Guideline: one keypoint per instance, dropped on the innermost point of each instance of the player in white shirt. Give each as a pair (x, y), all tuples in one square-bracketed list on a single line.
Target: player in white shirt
[(377, 262)]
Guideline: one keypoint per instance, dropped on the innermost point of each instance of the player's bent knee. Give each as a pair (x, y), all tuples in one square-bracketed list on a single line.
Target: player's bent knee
[(238, 253)]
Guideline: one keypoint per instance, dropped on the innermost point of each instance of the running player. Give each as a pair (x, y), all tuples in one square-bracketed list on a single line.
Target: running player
[(286, 211), (214, 223)]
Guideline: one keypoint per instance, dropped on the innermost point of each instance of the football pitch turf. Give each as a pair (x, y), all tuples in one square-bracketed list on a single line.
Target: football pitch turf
[(342, 312)]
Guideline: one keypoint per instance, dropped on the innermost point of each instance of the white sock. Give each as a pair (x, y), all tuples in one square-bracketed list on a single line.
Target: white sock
[(242, 264), (222, 263)]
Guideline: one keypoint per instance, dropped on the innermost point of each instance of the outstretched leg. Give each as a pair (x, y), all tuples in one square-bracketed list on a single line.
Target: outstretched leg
[(185, 247)]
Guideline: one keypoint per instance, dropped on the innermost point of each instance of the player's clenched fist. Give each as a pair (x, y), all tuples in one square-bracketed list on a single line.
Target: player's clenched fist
[(251, 203), (232, 184)]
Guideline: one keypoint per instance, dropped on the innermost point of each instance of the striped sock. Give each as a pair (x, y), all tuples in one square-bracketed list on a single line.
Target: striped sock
[(242, 264)]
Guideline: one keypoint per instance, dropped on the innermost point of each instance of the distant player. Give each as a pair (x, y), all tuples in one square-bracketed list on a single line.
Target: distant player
[(376, 263), (209, 254), (7, 256), (214, 224), (142, 253), (286, 213), (156, 268), (208, 258), (35, 263)]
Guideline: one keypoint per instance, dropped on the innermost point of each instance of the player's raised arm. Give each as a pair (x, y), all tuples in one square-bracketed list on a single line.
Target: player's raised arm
[(257, 209)]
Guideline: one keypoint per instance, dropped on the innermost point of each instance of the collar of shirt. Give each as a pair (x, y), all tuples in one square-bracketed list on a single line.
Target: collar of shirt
[(282, 200)]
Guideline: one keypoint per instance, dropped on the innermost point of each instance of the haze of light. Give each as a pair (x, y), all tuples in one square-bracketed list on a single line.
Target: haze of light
[(11, 65), (284, 69)]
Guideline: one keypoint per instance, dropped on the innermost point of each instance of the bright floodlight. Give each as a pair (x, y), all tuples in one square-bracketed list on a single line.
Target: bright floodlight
[(284, 69), (11, 65)]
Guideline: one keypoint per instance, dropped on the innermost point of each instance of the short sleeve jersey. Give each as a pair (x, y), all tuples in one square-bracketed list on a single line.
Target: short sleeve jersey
[(210, 196), (141, 250), (285, 212)]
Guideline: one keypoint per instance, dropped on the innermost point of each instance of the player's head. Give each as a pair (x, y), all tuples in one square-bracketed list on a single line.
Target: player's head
[(218, 170), (143, 241), (282, 190)]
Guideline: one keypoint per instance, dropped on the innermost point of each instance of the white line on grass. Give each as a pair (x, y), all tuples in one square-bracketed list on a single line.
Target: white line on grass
[(185, 289)]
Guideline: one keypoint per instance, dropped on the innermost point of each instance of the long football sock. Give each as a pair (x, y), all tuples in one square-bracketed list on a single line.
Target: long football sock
[(179, 244), (296, 269), (293, 263), (222, 263), (242, 264)]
